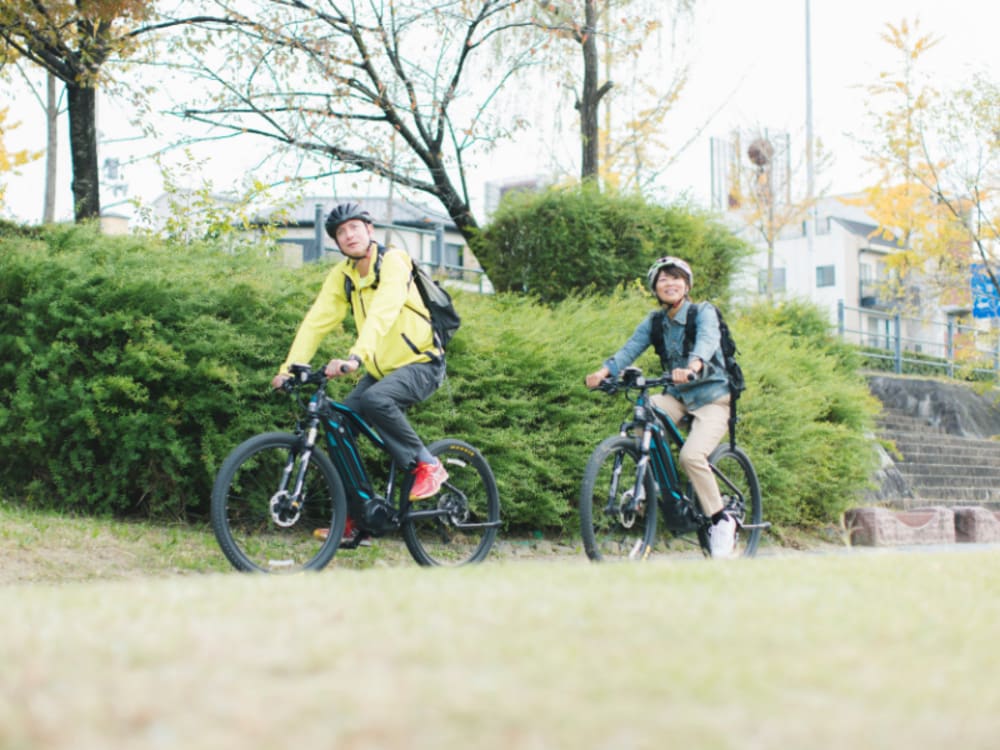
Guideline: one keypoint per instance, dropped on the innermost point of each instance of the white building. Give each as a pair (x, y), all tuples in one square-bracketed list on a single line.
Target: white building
[(843, 270), (430, 237)]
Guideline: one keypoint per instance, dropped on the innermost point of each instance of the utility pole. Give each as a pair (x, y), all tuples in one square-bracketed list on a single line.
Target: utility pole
[(810, 176)]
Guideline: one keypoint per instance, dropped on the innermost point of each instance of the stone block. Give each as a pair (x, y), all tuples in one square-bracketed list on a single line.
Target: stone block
[(977, 524), (881, 527)]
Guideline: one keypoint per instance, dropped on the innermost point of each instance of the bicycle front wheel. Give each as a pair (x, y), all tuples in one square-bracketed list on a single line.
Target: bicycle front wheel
[(741, 492), (459, 524), (613, 527), (258, 523)]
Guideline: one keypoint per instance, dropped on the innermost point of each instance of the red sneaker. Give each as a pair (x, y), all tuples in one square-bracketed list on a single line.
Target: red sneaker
[(348, 532), (427, 480)]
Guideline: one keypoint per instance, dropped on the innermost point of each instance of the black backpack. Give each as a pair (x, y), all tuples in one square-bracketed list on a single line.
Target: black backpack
[(444, 318), (737, 383)]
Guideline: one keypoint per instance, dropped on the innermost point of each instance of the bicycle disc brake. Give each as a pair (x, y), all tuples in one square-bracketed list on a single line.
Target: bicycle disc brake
[(283, 512), (627, 517)]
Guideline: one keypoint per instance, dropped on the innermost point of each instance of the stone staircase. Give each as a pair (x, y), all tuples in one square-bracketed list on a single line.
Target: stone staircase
[(937, 487), (939, 468)]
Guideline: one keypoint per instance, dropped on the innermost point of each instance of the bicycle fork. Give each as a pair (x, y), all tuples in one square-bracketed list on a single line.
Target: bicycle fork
[(634, 499), (285, 506)]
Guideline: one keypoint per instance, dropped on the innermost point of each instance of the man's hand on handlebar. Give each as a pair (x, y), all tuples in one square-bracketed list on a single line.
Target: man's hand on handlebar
[(279, 380), (335, 368)]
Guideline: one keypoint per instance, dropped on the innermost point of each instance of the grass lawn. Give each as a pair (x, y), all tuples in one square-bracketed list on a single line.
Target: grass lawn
[(873, 649)]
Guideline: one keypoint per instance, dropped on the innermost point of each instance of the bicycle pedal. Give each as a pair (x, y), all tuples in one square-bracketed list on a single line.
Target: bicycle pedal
[(360, 539)]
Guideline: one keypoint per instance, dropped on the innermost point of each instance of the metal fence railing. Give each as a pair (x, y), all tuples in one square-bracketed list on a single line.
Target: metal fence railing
[(952, 349)]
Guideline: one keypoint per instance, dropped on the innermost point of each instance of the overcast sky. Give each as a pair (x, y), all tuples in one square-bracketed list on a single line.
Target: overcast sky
[(748, 59)]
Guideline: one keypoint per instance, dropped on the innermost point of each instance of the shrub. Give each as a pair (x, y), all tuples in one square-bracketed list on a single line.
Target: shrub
[(134, 366), (517, 386), (559, 242), (806, 415)]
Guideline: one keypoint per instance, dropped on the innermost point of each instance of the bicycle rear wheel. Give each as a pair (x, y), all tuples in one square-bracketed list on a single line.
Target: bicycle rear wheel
[(459, 524), (252, 516), (609, 531), (741, 491)]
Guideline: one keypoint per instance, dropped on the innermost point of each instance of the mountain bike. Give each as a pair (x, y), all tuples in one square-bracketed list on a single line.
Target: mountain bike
[(276, 489), (633, 474)]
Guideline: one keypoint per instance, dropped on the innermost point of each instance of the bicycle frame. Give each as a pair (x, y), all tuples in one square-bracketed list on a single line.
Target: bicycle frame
[(341, 426), (632, 475), (282, 500), (659, 434)]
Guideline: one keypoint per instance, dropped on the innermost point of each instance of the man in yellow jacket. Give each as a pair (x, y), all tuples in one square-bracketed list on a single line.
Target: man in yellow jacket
[(395, 343)]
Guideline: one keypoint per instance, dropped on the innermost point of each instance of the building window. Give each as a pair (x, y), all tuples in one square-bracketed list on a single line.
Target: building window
[(453, 254), (778, 278), (878, 332), (825, 276)]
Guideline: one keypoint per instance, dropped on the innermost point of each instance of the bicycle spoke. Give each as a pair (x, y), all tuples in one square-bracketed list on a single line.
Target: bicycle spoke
[(741, 492), (460, 523), (255, 520), (614, 524)]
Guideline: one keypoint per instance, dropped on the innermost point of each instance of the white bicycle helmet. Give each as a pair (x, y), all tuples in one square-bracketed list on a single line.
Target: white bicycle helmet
[(668, 261)]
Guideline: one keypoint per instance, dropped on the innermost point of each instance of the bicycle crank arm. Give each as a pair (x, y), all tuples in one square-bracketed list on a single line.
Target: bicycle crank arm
[(439, 513), (487, 525), (765, 525)]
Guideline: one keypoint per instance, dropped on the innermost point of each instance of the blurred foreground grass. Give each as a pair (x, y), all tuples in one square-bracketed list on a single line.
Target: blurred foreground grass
[(873, 649)]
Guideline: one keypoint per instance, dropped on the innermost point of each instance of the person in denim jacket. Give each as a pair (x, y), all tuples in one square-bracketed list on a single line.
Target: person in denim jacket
[(700, 389)]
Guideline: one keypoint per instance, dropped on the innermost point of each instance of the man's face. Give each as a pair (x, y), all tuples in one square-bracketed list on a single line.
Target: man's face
[(671, 287), (353, 237)]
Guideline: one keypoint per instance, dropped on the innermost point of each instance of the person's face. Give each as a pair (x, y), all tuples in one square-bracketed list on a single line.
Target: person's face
[(671, 287), (353, 237)]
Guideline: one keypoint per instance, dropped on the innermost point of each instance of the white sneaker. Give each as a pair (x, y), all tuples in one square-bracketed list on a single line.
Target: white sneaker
[(722, 537)]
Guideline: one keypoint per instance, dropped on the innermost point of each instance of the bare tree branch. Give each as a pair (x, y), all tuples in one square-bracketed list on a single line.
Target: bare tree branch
[(361, 73)]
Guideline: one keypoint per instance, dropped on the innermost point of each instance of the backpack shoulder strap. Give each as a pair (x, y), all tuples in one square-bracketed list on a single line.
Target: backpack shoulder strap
[(349, 283), (656, 337), (691, 327)]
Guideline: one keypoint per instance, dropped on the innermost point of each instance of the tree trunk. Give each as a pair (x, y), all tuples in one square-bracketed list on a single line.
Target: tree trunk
[(458, 209), (83, 152), (588, 101), (51, 149)]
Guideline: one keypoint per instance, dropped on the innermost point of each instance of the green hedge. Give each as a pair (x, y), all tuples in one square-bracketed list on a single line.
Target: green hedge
[(134, 365), (559, 242)]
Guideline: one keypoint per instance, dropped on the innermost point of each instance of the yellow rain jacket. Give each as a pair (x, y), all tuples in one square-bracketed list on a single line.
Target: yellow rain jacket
[(393, 324)]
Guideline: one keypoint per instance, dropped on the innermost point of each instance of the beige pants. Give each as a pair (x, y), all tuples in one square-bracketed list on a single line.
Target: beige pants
[(710, 424)]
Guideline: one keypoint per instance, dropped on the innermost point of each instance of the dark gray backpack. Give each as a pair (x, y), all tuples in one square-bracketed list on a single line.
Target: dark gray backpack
[(444, 318)]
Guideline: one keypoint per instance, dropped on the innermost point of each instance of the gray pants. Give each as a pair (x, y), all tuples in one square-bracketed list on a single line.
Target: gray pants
[(383, 404)]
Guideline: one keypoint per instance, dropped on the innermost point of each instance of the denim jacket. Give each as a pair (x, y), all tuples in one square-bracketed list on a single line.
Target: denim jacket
[(712, 384)]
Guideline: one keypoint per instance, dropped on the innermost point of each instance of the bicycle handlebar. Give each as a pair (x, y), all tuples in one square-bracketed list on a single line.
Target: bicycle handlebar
[(304, 375), (632, 377)]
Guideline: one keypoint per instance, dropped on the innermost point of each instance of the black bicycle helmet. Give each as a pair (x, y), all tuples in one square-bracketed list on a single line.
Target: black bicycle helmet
[(346, 212)]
